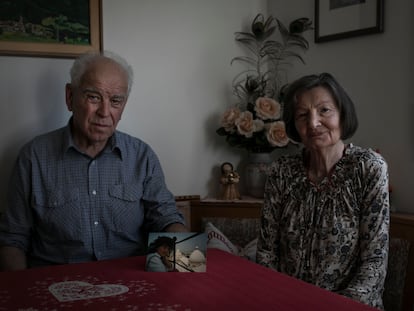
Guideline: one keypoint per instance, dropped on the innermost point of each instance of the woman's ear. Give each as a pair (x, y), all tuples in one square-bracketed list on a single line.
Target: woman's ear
[(69, 96)]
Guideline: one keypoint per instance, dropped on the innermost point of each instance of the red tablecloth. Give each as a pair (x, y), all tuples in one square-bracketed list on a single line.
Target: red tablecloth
[(230, 283)]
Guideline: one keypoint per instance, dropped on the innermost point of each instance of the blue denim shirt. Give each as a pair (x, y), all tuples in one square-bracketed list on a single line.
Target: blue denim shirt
[(64, 206)]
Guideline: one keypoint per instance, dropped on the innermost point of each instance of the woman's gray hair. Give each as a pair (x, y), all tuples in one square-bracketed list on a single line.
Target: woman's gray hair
[(82, 62)]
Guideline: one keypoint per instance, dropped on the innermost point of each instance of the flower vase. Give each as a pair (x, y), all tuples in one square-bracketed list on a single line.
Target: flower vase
[(256, 174)]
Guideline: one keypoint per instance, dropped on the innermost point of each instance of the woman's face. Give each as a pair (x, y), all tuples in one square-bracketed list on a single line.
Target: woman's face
[(317, 119)]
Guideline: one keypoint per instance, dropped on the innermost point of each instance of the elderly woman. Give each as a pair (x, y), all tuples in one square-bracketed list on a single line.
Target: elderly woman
[(326, 211)]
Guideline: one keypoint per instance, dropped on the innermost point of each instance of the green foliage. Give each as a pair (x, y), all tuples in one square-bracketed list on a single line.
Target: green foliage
[(257, 143), (255, 123), (268, 59)]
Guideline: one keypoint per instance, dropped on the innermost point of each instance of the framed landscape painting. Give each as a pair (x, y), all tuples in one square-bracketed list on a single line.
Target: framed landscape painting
[(49, 28), (338, 19)]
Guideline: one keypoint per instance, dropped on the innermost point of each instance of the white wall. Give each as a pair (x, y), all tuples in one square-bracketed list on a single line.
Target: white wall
[(181, 52), (31, 101)]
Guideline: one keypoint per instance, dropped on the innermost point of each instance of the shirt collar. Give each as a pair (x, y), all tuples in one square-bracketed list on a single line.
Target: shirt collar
[(113, 145)]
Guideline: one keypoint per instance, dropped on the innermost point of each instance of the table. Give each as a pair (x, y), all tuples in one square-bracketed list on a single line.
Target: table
[(230, 283)]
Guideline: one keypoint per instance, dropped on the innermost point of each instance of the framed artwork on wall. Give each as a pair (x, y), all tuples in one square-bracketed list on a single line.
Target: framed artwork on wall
[(338, 19), (50, 28)]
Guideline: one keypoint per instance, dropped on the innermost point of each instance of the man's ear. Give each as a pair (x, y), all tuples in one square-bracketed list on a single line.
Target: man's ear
[(69, 96)]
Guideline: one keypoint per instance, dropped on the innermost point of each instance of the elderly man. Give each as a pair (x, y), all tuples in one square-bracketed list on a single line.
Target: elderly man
[(86, 191)]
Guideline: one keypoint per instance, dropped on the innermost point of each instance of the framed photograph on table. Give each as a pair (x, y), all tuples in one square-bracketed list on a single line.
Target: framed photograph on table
[(50, 28), (338, 19)]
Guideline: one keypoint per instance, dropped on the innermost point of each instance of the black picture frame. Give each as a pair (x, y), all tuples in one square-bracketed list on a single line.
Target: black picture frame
[(339, 19), (58, 49)]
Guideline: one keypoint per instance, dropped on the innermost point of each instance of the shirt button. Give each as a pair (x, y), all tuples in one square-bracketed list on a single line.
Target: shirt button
[(96, 223), (94, 192)]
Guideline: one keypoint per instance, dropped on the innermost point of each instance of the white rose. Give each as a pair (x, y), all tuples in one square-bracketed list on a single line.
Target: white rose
[(267, 108), (229, 118), (246, 125), (276, 134)]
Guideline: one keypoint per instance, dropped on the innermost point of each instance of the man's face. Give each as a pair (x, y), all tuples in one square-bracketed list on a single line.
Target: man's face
[(97, 103)]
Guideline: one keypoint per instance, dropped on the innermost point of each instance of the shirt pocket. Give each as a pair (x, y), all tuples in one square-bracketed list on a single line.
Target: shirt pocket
[(59, 215), (125, 208)]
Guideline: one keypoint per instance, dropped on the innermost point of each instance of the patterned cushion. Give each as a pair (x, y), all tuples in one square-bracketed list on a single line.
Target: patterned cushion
[(217, 239), (239, 231), (395, 279)]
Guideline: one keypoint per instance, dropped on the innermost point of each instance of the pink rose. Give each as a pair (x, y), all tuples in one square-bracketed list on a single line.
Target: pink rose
[(276, 134), (247, 126), (229, 118), (267, 108)]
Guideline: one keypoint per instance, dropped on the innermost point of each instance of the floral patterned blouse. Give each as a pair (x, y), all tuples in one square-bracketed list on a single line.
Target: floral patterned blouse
[(334, 234)]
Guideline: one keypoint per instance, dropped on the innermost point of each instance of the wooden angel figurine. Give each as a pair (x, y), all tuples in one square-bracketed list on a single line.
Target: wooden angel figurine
[(229, 181)]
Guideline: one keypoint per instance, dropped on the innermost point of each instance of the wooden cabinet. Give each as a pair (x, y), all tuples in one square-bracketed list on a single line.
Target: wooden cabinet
[(221, 208)]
